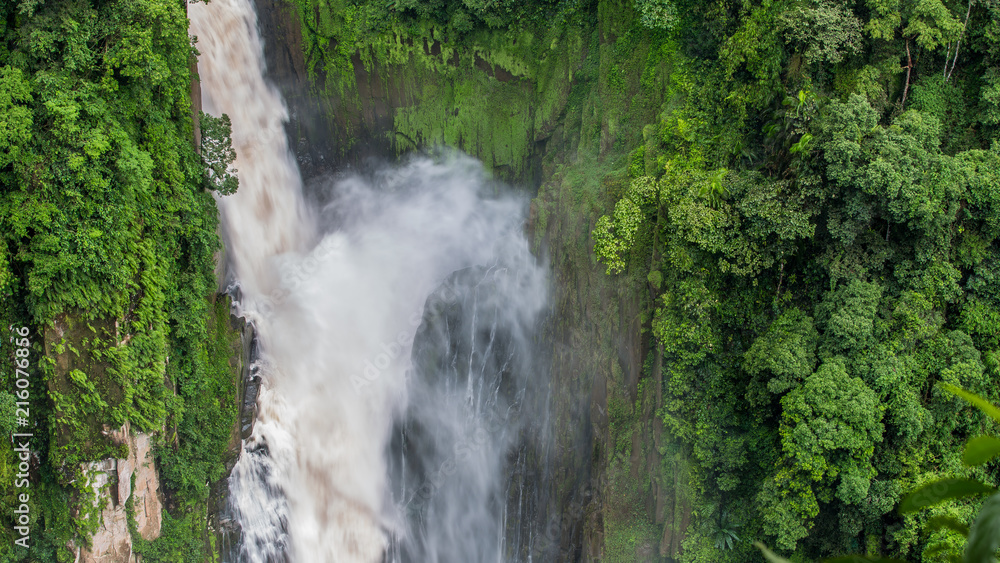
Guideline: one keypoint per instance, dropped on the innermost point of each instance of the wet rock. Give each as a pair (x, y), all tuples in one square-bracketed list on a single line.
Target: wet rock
[(220, 522), (112, 482)]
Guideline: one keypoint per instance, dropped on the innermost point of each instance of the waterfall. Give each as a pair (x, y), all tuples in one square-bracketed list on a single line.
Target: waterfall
[(395, 327)]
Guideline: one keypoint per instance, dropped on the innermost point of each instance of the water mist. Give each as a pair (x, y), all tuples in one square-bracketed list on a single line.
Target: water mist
[(395, 325)]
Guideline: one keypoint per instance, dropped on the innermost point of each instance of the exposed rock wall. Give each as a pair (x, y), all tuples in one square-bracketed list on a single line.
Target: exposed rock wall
[(220, 521), (616, 479), (322, 135), (116, 482)]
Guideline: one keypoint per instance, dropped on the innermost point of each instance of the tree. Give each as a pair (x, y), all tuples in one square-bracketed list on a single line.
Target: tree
[(822, 30), (787, 351), (615, 234), (983, 537), (848, 315), (218, 154), (829, 428)]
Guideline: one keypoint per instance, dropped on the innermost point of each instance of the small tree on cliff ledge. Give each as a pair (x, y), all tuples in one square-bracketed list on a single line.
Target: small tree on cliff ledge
[(218, 154)]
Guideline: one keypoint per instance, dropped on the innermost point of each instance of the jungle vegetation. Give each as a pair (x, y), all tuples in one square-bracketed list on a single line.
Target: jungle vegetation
[(108, 236), (807, 193), (819, 234)]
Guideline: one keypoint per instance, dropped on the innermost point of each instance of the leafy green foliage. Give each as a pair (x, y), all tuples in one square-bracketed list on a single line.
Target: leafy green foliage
[(823, 31), (217, 153), (182, 537), (210, 408), (786, 352), (980, 403), (829, 429), (725, 532), (15, 130), (940, 491), (981, 450), (984, 536), (932, 23), (107, 243), (657, 14), (7, 412), (830, 426), (615, 235)]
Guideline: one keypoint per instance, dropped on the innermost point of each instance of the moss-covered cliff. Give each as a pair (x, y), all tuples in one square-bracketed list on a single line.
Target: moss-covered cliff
[(557, 109), (107, 259), (770, 231)]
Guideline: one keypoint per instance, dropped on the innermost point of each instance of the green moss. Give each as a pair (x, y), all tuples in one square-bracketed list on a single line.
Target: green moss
[(480, 115), (493, 94), (629, 541), (194, 449), (86, 396)]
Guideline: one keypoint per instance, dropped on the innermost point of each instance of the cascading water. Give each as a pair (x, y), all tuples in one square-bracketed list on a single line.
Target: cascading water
[(395, 327)]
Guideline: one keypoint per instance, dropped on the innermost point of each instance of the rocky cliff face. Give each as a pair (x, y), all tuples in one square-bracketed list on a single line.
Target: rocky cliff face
[(116, 483), (323, 133), (221, 523), (618, 489), (119, 494)]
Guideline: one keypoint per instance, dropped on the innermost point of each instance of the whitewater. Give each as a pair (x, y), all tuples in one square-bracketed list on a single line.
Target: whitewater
[(395, 323)]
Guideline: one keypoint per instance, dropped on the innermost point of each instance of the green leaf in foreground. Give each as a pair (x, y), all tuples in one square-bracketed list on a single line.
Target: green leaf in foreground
[(769, 555), (982, 404), (940, 491), (942, 549), (950, 522), (862, 559), (984, 537), (980, 450)]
